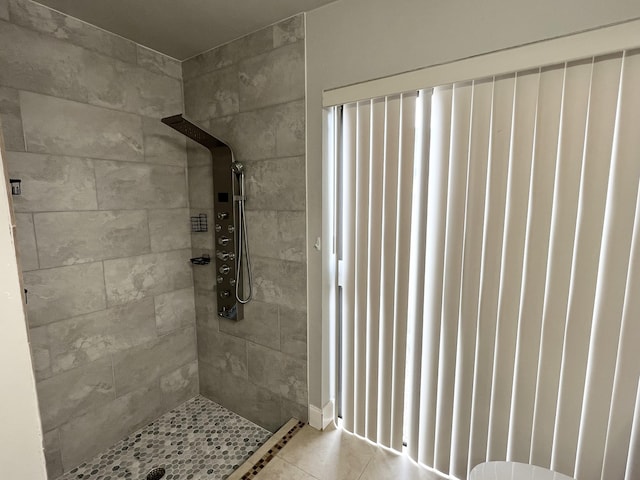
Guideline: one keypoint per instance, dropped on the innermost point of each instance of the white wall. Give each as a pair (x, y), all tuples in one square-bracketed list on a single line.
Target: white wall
[(21, 454), (351, 41)]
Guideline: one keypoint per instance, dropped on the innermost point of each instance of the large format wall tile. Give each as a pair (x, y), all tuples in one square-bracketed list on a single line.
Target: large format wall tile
[(222, 352), (287, 31), (64, 292), (201, 186), (293, 332), (133, 185), (133, 278), (37, 17), (74, 392), (26, 242), (150, 361), (276, 184), (169, 229), (291, 409), (158, 63), (67, 238), (4, 9), (162, 144), (278, 372), (175, 310), (197, 155), (276, 234), (39, 343), (130, 88), (53, 183), (280, 282), (11, 120), (259, 325), (251, 135), (212, 95), (206, 315), (180, 385), (53, 125), (86, 338), (247, 399), (248, 46), (36, 62), (290, 129), (272, 78), (53, 457), (85, 436)]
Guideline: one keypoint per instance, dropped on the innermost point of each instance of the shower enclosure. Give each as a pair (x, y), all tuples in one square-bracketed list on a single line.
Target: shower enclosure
[(122, 327)]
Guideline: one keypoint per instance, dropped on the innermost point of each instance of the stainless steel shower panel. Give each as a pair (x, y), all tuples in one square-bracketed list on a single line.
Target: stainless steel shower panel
[(226, 217), (225, 234)]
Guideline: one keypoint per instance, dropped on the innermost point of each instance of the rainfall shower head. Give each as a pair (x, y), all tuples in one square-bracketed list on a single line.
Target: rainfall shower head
[(194, 132)]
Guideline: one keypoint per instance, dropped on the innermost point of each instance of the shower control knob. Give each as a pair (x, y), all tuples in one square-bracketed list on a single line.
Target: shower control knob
[(232, 282), (225, 269), (223, 215), (231, 229), (222, 255), (232, 256), (218, 228), (225, 294), (224, 241), (220, 279)]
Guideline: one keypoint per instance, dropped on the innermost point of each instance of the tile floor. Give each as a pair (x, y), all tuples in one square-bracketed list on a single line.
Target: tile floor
[(199, 440), (337, 455)]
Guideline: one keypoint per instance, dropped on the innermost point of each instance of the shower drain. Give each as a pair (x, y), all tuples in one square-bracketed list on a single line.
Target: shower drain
[(156, 474)]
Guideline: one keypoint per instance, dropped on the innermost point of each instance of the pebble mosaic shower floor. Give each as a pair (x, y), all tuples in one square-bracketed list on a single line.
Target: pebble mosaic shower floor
[(199, 440)]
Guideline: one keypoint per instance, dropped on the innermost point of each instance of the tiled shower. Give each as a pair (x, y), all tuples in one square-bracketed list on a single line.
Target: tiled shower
[(122, 327)]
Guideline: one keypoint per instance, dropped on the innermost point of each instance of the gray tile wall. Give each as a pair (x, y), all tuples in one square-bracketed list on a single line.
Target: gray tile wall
[(250, 93), (102, 227)]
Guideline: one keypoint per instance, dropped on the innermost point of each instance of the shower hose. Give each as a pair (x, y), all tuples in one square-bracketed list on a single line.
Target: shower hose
[(242, 258)]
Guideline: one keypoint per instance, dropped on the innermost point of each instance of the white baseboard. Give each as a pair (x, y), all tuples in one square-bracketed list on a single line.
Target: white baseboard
[(321, 418)]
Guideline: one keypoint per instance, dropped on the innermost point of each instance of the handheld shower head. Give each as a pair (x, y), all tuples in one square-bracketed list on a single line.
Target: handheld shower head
[(237, 168)]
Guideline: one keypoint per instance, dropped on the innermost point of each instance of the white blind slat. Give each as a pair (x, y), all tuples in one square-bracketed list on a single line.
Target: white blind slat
[(376, 176), (363, 134), (417, 272), (387, 307), (348, 260), (403, 243), (632, 470), (438, 173)]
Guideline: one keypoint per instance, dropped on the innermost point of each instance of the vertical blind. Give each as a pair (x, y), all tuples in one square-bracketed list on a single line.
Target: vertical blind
[(488, 241)]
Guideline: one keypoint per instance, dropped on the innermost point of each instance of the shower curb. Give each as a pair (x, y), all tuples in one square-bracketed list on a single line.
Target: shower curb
[(256, 462)]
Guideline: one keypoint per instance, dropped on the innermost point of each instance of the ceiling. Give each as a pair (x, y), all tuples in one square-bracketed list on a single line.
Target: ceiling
[(182, 28)]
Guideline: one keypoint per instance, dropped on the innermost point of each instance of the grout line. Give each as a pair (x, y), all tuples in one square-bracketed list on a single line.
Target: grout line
[(35, 239), (95, 183)]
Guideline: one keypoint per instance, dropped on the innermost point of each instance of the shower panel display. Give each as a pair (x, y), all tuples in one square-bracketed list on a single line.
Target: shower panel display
[(229, 227)]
